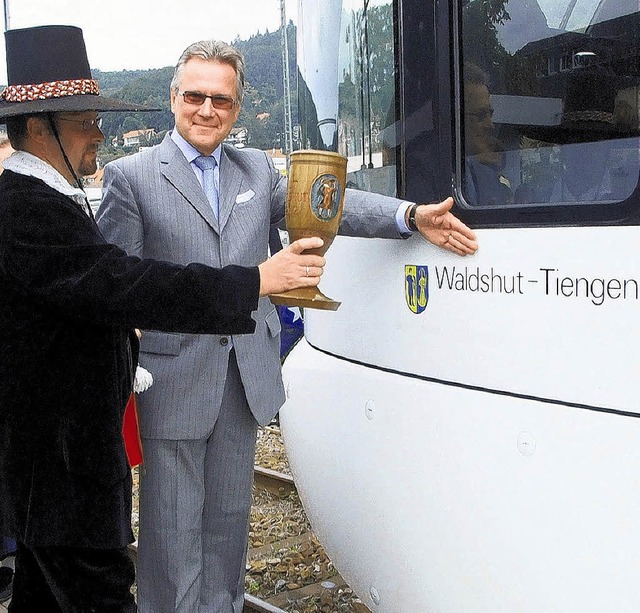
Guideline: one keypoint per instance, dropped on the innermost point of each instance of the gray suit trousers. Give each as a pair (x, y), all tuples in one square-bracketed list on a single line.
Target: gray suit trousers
[(195, 499)]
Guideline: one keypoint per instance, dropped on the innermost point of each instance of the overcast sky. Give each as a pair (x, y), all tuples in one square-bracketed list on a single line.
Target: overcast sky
[(135, 34)]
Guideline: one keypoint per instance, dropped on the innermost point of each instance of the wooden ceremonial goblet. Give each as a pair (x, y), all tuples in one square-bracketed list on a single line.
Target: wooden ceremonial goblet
[(315, 200)]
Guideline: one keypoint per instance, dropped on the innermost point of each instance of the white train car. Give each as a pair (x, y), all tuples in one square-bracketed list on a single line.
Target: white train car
[(464, 432)]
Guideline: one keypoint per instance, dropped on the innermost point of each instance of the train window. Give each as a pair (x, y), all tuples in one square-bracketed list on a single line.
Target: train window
[(549, 93), (347, 99)]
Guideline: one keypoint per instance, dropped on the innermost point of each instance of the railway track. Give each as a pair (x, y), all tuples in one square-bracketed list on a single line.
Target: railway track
[(273, 481), (255, 605), (281, 485), (319, 595)]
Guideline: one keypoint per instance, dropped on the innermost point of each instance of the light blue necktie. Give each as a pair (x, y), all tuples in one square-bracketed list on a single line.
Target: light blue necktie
[(207, 165)]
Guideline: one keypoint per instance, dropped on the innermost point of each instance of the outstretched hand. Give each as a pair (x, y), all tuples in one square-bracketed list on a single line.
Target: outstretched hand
[(439, 226), (290, 268)]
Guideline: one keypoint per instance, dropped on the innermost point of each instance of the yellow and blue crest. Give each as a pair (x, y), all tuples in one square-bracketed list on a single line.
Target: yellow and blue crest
[(416, 287)]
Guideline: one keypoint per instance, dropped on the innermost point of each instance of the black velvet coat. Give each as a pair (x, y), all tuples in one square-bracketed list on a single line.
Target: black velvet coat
[(68, 304)]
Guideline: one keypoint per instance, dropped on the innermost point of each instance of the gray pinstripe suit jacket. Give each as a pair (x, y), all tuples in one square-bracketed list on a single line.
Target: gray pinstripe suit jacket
[(154, 207)]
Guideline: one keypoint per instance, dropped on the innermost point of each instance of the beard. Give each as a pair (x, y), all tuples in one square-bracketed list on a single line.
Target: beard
[(88, 163)]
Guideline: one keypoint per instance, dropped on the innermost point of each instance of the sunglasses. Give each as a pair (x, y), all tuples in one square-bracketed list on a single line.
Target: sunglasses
[(222, 103)]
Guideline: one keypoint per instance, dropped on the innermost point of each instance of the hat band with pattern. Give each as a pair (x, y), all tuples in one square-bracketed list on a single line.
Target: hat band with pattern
[(53, 89)]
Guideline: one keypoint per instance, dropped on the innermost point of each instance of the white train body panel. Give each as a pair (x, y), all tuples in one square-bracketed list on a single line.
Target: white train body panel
[(466, 476)]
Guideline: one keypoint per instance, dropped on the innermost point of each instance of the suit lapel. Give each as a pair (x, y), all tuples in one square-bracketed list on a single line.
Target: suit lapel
[(176, 169), (230, 182)]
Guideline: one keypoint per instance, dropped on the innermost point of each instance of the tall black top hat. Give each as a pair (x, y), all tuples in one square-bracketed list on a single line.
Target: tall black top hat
[(48, 71), (588, 111)]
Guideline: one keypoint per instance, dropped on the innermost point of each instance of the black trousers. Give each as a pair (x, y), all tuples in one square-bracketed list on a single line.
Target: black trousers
[(72, 580)]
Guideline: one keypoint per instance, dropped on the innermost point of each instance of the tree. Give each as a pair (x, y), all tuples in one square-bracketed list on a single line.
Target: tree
[(131, 123)]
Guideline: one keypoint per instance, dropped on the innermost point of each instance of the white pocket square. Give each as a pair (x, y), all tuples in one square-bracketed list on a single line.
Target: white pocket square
[(240, 198)]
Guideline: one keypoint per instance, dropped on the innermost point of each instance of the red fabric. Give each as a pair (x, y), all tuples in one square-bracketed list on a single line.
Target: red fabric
[(131, 432)]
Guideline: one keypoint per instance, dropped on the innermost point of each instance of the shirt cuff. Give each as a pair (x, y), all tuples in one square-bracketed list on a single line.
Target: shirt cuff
[(401, 214)]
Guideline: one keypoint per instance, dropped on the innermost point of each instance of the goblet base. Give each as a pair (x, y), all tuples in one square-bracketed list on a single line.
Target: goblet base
[(306, 297)]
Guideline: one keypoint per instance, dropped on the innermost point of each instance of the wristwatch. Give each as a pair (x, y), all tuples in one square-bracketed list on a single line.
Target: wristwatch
[(411, 221)]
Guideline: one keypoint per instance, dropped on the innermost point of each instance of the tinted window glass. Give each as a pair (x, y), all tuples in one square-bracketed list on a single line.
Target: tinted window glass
[(347, 99), (549, 92)]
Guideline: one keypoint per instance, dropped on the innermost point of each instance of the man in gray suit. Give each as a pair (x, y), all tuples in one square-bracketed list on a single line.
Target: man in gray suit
[(198, 421)]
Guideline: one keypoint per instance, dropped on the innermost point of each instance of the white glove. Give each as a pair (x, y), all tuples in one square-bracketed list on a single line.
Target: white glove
[(143, 380)]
